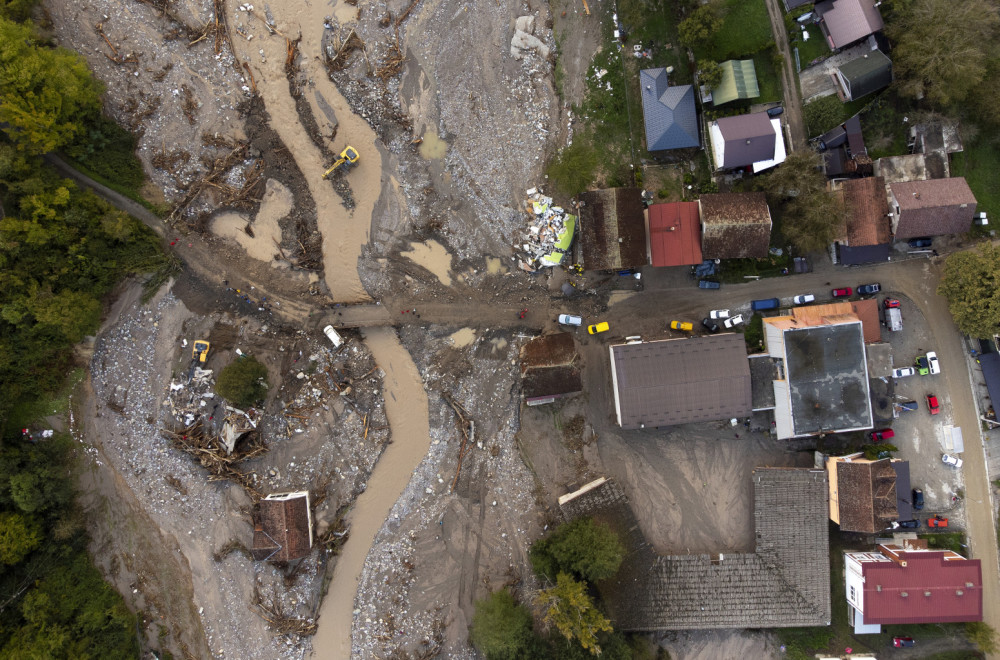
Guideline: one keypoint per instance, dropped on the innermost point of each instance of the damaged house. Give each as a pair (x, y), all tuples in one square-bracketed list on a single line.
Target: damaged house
[(283, 527)]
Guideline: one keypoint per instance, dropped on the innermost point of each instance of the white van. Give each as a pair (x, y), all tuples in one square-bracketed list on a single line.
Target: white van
[(894, 319), (333, 336)]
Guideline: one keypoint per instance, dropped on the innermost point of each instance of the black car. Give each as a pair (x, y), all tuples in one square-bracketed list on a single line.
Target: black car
[(868, 289), (775, 112), (924, 242), (918, 499), (710, 325), (910, 524)]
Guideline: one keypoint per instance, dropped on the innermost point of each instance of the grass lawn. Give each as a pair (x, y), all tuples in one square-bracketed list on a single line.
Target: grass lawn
[(884, 129), (746, 29), (768, 77), (811, 50), (979, 164)]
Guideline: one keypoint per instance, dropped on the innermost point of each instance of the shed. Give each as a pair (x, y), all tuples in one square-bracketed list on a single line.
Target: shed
[(739, 81), (864, 75)]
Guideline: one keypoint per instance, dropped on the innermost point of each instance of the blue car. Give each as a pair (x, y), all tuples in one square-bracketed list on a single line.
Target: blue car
[(925, 242), (708, 284)]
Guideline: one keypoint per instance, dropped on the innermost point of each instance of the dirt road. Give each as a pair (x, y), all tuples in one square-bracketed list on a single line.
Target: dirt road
[(789, 78)]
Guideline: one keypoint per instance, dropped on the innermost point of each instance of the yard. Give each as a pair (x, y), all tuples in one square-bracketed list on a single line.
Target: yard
[(979, 164), (746, 29), (812, 51)]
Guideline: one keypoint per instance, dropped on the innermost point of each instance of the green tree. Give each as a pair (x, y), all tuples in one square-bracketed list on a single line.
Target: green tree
[(700, 26), (811, 217), (572, 170), (19, 535), (971, 283), (569, 608), (582, 548), (501, 629), (243, 382), (709, 73), (942, 48), (46, 94), (613, 647), (17, 10), (982, 635)]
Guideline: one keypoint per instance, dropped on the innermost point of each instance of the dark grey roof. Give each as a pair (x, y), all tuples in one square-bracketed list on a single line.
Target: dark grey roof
[(784, 583), (990, 363), (669, 112), (663, 383), (904, 493), (827, 377), (868, 73), (792, 4), (864, 254), (762, 376), (749, 139)]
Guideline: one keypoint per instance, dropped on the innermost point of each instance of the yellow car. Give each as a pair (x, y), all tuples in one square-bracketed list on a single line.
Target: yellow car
[(598, 327), (682, 325)]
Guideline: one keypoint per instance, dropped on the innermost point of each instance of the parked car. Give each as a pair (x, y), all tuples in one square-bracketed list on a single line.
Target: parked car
[(842, 292), (719, 314), (775, 112), (922, 242), (932, 404), (918, 499), (869, 289), (901, 642), (891, 303), (909, 524), (921, 364), (710, 325), (569, 319), (884, 434), (804, 298), (708, 284), (948, 459), (686, 326), (734, 321), (908, 405), (903, 372), (932, 363), (766, 303), (598, 328), (333, 336), (937, 521)]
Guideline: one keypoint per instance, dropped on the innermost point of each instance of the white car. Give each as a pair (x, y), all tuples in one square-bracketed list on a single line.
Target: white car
[(948, 459), (568, 319), (719, 314), (804, 298), (333, 336), (932, 363), (903, 372), (734, 321)]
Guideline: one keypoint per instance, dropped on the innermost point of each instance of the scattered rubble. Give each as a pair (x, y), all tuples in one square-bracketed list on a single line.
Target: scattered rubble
[(549, 236)]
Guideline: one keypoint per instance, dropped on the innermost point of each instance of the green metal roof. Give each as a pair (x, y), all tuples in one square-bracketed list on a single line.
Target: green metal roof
[(739, 81)]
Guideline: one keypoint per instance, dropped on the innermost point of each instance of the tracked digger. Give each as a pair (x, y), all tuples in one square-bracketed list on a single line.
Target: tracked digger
[(348, 158), (198, 356)]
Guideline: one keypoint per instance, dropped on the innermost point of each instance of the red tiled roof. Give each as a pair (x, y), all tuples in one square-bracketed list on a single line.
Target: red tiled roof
[(927, 590), (867, 211), (867, 311), (674, 234), (933, 207)]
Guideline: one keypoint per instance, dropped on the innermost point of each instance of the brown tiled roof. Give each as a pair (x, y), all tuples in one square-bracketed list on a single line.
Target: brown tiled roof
[(282, 528), (933, 207), (550, 381), (663, 383), (867, 495), (867, 311), (867, 211), (785, 582), (613, 229), (735, 225), (548, 351)]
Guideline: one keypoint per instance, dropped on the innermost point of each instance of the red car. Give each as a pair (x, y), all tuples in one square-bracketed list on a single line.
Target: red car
[(884, 434), (937, 521), (842, 293), (891, 302), (900, 642), (932, 404)]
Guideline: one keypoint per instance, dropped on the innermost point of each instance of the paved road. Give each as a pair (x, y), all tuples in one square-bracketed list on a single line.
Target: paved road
[(789, 78)]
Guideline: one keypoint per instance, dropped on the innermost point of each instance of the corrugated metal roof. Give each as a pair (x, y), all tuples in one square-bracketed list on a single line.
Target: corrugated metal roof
[(847, 21), (663, 383), (739, 81), (927, 590), (674, 234), (669, 113)]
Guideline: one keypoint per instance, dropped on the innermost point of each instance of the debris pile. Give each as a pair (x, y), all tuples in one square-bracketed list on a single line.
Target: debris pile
[(525, 40), (549, 235), (213, 455)]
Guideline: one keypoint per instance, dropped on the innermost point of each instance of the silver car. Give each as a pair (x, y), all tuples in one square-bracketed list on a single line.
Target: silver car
[(804, 298), (568, 319), (733, 322)]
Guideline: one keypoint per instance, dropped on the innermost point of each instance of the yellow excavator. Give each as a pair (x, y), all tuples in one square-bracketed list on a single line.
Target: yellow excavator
[(348, 158), (198, 355)]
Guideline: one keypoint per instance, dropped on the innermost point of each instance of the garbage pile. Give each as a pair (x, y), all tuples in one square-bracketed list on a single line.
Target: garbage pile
[(549, 233)]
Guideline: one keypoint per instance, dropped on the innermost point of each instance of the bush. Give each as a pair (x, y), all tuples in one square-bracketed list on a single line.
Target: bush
[(243, 382), (982, 635), (501, 629), (582, 548), (572, 171), (823, 114)]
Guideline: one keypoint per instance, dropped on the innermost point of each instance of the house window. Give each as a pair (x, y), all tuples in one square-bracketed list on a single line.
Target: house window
[(853, 598)]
